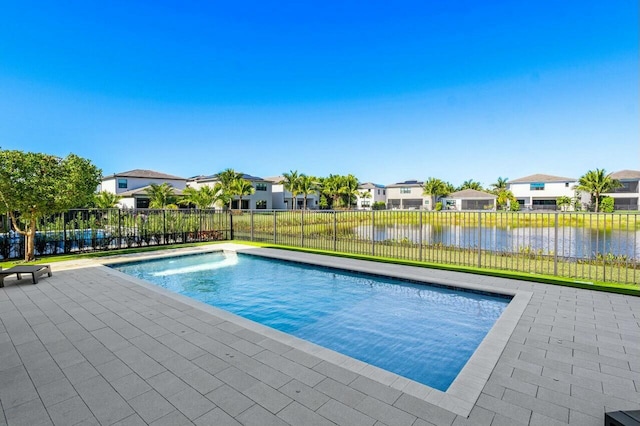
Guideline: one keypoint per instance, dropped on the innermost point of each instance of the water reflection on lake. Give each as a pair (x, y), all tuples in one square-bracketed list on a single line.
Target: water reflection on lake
[(571, 241)]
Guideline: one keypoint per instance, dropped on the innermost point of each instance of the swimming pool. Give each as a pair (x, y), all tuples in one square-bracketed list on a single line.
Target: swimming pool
[(421, 332)]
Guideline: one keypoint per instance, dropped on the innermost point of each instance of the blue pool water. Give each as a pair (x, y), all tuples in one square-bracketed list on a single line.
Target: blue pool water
[(421, 332)]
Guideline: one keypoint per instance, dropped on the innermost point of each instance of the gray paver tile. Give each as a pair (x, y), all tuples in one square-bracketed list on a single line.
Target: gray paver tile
[(80, 372), (343, 415), (340, 392), (31, 413), (55, 392), (69, 412), (130, 386), (237, 379), (132, 420), (335, 372), (376, 389), (538, 405), (258, 416), (384, 412), (103, 401), (216, 417), (191, 403), (167, 383), (151, 406), (267, 397), (504, 408), (230, 400), (304, 394), (295, 413), (174, 418), (201, 381)]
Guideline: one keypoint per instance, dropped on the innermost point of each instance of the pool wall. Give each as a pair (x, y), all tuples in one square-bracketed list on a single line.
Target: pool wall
[(462, 393)]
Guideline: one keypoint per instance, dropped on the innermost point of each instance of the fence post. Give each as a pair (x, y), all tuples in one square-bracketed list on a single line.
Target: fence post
[(373, 232), (335, 232), (251, 212), (164, 225), (420, 235), (302, 228), (230, 224), (119, 229), (275, 232), (555, 246), (479, 239)]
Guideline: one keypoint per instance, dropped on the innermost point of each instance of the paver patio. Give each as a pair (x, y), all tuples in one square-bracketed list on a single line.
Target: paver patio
[(89, 346)]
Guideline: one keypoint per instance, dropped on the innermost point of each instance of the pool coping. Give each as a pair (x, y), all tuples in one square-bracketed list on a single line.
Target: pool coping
[(461, 395)]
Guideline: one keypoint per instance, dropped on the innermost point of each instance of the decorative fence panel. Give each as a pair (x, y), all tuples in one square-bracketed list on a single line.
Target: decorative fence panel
[(582, 246), (81, 231)]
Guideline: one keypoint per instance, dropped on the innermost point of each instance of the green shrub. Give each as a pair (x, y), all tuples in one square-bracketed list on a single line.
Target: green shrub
[(515, 206), (379, 205), (439, 206), (606, 205)]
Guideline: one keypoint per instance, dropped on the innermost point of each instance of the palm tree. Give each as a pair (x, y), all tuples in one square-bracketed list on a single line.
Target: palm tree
[(106, 200), (364, 195), (290, 182), (331, 189), (307, 185), (224, 186), (470, 184), (434, 188), (161, 196), (597, 182), (349, 189), (505, 197), (242, 188), (563, 202), (499, 185), (204, 197)]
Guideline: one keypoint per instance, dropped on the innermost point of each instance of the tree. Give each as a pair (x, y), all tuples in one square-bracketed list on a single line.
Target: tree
[(597, 182), (349, 189), (499, 185), (35, 185), (470, 184), (203, 197), (161, 196), (434, 188), (563, 202), (290, 182), (331, 190), (505, 198), (106, 200), (365, 195), (242, 188), (225, 184), (307, 185)]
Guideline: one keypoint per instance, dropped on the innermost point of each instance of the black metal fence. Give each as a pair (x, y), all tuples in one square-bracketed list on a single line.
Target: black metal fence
[(79, 231), (583, 246)]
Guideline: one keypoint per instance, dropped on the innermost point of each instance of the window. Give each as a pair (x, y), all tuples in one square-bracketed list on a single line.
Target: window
[(536, 187), (261, 187), (566, 184), (378, 192), (405, 190), (122, 184), (384, 192), (261, 204), (142, 203), (365, 203)]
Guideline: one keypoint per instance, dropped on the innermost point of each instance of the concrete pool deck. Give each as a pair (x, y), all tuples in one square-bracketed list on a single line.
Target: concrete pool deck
[(93, 346)]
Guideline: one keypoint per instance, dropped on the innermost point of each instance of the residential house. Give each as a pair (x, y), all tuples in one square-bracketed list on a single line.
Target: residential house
[(284, 200), (469, 199), (260, 199), (626, 197), (132, 186), (407, 195), (378, 193), (540, 192)]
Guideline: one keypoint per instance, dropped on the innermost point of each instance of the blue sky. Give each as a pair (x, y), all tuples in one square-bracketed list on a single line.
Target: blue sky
[(387, 91)]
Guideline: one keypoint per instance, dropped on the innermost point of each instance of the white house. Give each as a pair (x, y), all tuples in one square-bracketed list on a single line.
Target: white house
[(260, 199), (132, 186), (626, 197), (378, 193), (540, 192), (469, 199), (283, 199), (407, 195)]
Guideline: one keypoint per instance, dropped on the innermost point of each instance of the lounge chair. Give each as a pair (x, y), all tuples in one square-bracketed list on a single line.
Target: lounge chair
[(34, 270)]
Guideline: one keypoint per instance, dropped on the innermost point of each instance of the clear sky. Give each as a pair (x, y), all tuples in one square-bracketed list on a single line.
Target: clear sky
[(386, 90)]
